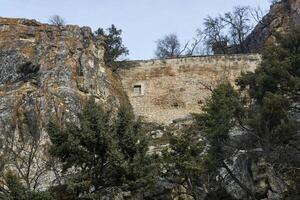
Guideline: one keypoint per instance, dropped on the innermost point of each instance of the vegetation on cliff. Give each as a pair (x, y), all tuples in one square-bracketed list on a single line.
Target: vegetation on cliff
[(244, 145), (266, 113), (100, 157), (114, 47)]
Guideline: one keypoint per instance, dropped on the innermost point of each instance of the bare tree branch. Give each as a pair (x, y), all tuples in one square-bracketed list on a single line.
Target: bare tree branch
[(57, 20)]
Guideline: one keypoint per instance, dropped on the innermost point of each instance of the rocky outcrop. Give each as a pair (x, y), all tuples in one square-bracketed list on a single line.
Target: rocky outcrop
[(47, 72), (50, 70), (257, 175), (281, 16)]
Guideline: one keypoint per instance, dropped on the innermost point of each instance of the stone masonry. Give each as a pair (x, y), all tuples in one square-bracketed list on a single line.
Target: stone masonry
[(162, 91)]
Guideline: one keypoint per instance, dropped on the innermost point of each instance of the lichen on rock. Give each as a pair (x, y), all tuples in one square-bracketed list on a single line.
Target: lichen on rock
[(48, 72)]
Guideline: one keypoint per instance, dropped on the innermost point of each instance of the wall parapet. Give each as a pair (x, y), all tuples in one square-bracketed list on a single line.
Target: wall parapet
[(250, 56)]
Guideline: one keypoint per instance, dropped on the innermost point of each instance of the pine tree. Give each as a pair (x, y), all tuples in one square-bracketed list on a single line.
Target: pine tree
[(113, 43), (274, 107), (99, 154), (194, 158), (15, 190)]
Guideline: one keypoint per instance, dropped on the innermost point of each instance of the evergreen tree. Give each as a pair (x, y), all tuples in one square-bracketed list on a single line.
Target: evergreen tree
[(99, 154), (221, 114), (194, 157), (273, 113), (15, 190), (185, 166), (267, 114), (113, 43), (279, 71)]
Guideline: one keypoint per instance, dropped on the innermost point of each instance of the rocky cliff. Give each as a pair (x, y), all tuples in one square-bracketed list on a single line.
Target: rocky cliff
[(46, 72), (281, 16), (49, 71)]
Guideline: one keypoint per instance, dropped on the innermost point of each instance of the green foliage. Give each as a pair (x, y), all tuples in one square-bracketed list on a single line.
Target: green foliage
[(99, 153), (114, 43), (133, 146), (279, 72), (16, 191), (127, 133), (219, 111), (271, 122), (38, 195), (273, 109), (220, 114), (189, 163), (266, 113), (193, 158), (27, 70), (185, 154), (275, 87), (273, 114), (184, 162)]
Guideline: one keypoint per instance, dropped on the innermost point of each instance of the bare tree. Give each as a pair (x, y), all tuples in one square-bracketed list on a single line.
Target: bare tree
[(28, 159), (57, 20), (195, 45), (239, 24), (257, 14), (168, 47), (215, 37), (24, 152)]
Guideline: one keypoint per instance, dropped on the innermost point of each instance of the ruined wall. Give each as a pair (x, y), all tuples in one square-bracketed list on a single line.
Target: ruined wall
[(165, 90)]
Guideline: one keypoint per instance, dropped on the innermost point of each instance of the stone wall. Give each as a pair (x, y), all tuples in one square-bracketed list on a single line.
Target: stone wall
[(166, 90)]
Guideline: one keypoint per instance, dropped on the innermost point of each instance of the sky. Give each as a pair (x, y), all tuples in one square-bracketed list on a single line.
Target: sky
[(143, 21)]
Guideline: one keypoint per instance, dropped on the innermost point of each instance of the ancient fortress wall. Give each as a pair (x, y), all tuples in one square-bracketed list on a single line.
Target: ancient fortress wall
[(165, 90)]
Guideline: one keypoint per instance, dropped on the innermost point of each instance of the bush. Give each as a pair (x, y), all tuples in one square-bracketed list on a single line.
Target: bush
[(27, 70)]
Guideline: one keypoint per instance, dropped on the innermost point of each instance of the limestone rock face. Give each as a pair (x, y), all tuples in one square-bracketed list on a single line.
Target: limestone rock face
[(257, 175), (49, 71), (46, 72), (279, 18)]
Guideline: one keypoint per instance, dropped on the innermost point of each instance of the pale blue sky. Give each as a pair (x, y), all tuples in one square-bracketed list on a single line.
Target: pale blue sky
[(142, 21)]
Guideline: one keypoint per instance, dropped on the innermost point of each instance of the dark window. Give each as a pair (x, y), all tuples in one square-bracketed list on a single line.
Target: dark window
[(137, 89)]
